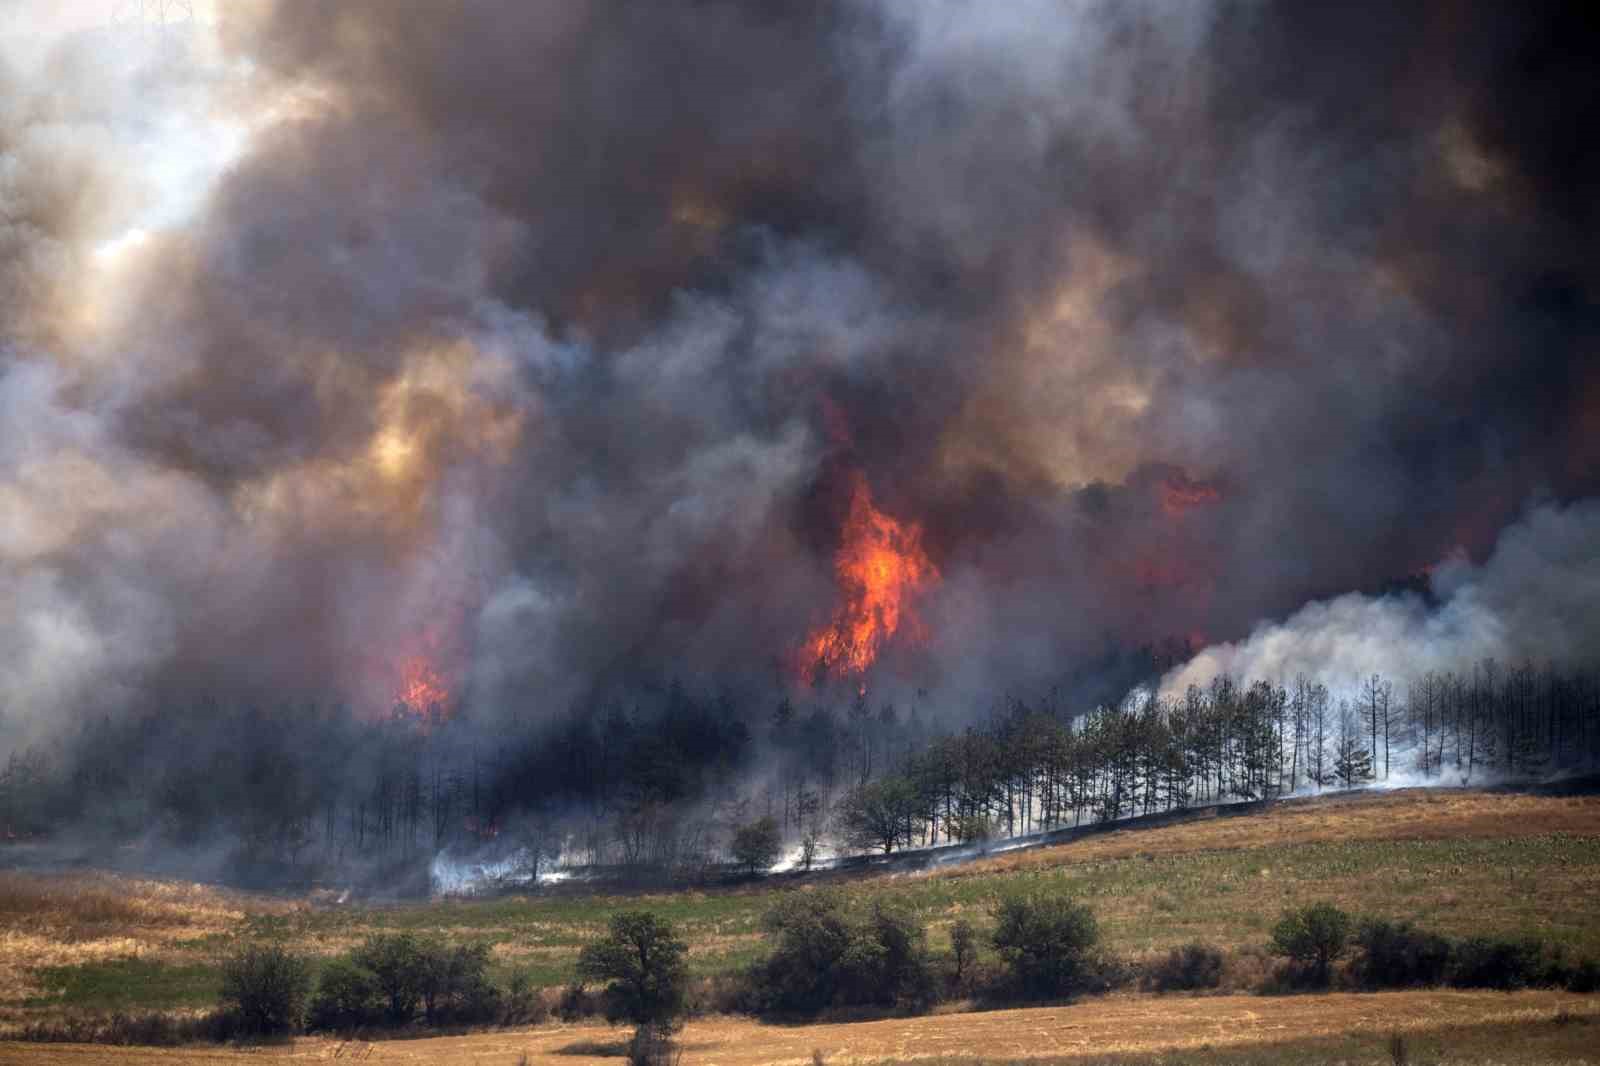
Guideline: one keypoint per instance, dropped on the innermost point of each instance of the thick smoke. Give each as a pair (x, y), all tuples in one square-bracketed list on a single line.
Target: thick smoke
[(542, 343), (1532, 601)]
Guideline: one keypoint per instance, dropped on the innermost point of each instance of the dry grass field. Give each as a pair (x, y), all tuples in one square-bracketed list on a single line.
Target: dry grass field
[(1461, 863), (1557, 1026)]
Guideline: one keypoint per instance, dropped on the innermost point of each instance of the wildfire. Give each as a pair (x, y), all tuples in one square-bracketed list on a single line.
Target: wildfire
[(880, 566), (422, 687), (1179, 494)]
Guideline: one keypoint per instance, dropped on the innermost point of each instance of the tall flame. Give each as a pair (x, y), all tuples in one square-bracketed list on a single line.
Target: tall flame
[(880, 566)]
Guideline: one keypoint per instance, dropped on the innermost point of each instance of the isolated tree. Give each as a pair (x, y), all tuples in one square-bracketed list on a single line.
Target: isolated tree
[(877, 814), (1316, 935), (642, 959), (1352, 762), (810, 845), (756, 845), (963, 947)]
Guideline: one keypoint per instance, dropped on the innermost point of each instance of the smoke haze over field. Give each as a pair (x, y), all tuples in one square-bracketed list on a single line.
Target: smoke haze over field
[(529, 352)]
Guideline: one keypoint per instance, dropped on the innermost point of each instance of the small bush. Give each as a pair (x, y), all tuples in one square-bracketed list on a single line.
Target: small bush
[(144, 1030), (721, 994), (756, 846), (522, 1003), (1584, 977), (1397, 955), (266, 987), (577, 1003), (1047, 944), (1484, 962), (347, 997), (1185, 969), (1314, 936)]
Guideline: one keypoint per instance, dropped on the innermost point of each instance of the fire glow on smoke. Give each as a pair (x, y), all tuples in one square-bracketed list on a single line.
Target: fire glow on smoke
[(880, 568), (422, 688)]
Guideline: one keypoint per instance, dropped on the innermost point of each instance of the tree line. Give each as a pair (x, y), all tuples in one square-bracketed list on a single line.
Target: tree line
[(680, 782), (1030, 769)]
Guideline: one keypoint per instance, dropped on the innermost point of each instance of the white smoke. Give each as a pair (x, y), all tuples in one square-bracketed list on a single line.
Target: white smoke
[(1536, 598), (452, 875)]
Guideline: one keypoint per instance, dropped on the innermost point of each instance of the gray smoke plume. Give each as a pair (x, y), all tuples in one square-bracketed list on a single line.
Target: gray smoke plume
[(529, 352)]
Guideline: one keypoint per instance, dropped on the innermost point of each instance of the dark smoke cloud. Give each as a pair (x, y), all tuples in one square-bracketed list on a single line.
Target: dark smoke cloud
[(544, 340)]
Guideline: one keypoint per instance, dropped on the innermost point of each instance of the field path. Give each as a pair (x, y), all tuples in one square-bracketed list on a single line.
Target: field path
[(1116, 1023)]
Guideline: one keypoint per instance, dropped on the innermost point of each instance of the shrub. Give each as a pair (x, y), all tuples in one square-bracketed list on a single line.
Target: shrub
[(973, 829), (1314, 936), (896, 970), (1046, 942), (1191, 967), (396, 962), (523, 1005), (153, 1029), (1584, 977), (756, 846), (577, 1003), (826, 956), (454, 984), (1484, 962), (266, 987), (1397, 955), (347, 996), (642, 958)]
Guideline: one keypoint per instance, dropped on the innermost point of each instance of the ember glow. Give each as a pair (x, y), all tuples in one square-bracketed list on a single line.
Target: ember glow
[(881, 568), (1180, 494)]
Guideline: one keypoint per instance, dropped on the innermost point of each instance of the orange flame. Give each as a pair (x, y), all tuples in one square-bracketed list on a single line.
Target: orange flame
[(422, 688), (880, 566)]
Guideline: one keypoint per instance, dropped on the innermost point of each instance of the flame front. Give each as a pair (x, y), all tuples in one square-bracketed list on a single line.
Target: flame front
[(880, 567)]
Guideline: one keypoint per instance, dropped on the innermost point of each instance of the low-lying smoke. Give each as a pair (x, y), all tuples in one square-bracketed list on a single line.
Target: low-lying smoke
[(1533, 600)]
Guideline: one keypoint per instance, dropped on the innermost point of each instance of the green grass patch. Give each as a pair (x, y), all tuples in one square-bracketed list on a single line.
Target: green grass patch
[(128, 984), (1530, 886)]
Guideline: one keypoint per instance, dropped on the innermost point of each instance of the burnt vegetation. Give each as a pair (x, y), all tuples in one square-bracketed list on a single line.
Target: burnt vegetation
[(664, 790)]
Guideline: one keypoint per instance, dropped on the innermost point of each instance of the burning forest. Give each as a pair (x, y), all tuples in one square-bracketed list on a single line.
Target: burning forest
[(432, 433)]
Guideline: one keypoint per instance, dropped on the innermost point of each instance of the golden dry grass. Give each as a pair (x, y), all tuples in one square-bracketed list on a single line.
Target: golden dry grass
[(1114, 1025), (1404, 814), (70, 919)]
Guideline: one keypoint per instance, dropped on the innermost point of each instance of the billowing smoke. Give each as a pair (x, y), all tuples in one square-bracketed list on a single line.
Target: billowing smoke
[(1532, 601), (529, 353)]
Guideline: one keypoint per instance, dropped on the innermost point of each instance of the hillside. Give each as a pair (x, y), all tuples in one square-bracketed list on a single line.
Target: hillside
[(1459, 862)]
